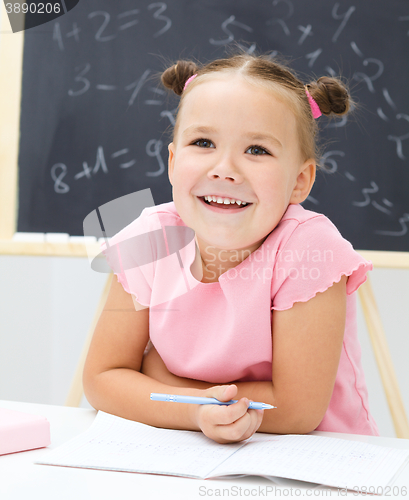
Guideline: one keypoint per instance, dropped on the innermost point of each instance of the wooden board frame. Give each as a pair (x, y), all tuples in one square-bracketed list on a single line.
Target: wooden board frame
[(11, 70)]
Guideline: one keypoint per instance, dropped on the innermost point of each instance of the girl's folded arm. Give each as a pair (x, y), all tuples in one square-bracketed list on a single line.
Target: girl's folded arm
[(307, 344), (112, 379)]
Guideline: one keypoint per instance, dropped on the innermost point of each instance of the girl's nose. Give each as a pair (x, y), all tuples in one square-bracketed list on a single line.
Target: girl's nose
[(225, 168)]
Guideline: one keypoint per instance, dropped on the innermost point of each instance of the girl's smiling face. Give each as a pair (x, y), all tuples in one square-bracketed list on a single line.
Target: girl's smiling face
[(236, 139)]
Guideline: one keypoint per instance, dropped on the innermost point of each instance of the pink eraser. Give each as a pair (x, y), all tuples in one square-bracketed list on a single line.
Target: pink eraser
[(22, 431)]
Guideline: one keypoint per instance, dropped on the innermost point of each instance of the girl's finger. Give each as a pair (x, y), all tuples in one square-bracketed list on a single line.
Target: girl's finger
[(239, 430), (255, 423), (222, 392), (256, 417), (225, 415)]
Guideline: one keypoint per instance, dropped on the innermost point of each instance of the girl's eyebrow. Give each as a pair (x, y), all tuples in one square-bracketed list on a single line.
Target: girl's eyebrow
[(256, 136), (199, 129), (264, 137)]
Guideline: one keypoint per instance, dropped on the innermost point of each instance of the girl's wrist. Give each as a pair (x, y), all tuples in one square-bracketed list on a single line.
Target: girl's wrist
[(193, 410)]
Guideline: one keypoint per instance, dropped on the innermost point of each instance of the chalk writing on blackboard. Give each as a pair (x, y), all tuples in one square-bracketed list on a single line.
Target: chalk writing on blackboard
[(59, 170), (329, 163), (231, 20), (345, 18), (87, 171), (402, 232), (84, 85), (103, 19), (401, 138)]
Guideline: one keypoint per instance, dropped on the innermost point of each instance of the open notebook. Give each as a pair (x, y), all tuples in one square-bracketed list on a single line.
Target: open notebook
[(113, 443)]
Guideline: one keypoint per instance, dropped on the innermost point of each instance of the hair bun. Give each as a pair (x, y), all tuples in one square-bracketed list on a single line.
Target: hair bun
[(331, 95), (174, 78)]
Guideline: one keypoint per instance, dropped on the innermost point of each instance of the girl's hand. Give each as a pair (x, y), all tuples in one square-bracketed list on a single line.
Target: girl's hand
[(223, 424), (227, 424)]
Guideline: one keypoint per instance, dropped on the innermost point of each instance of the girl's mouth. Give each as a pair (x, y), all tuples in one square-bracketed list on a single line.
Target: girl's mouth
[(232, 208)]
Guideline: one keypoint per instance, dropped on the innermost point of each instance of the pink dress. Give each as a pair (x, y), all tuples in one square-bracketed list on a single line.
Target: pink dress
[(221, 332)]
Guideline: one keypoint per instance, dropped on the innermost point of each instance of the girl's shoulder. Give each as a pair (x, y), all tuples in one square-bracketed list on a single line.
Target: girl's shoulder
[(299, 223), (300, 214), (150, 219), (311, 256)]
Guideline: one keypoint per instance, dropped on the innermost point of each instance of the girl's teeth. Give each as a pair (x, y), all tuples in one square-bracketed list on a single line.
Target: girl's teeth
[(226, 201)]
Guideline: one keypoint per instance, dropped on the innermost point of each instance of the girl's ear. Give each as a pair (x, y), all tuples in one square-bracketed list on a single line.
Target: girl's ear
[(171, 161), (304, 182)]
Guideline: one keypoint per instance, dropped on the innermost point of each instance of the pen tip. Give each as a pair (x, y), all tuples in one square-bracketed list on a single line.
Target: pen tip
[(268, 407)]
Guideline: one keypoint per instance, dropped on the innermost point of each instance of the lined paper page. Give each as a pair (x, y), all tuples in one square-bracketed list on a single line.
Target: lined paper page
[(113, 443), (330, 461)]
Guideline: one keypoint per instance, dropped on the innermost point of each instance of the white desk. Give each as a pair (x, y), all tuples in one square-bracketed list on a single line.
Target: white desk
[(21, 479)]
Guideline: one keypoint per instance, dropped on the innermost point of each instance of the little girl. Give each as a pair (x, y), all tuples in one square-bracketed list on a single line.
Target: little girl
[(242, 292)]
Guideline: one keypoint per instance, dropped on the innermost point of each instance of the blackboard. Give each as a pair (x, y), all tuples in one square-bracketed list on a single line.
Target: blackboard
[(95, 123)]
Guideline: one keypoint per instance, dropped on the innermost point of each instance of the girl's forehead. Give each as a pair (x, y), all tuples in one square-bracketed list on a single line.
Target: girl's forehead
[(232, 97), (225, 81), (234, 94)]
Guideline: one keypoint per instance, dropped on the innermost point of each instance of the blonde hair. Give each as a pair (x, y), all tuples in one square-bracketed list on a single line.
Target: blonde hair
[(330, 93)]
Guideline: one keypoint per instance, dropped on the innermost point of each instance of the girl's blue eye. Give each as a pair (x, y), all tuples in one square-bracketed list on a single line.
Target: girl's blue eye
[(258, 150), (206, 143)]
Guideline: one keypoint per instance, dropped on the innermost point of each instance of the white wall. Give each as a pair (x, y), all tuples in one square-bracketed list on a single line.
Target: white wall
[(47, 305), (46, 308)]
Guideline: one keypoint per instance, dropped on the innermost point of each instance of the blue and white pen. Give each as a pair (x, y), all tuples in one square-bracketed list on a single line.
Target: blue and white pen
[(174, 398)]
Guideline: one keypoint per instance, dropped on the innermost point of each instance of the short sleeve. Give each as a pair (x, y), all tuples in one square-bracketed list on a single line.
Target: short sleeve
[(130, 255), (314, 257)]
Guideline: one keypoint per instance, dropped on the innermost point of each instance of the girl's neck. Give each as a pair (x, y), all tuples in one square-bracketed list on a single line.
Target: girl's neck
[(214, 262)]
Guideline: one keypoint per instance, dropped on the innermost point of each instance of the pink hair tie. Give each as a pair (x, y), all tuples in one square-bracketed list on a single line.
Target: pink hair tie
[(189, 80), (316, 112)]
